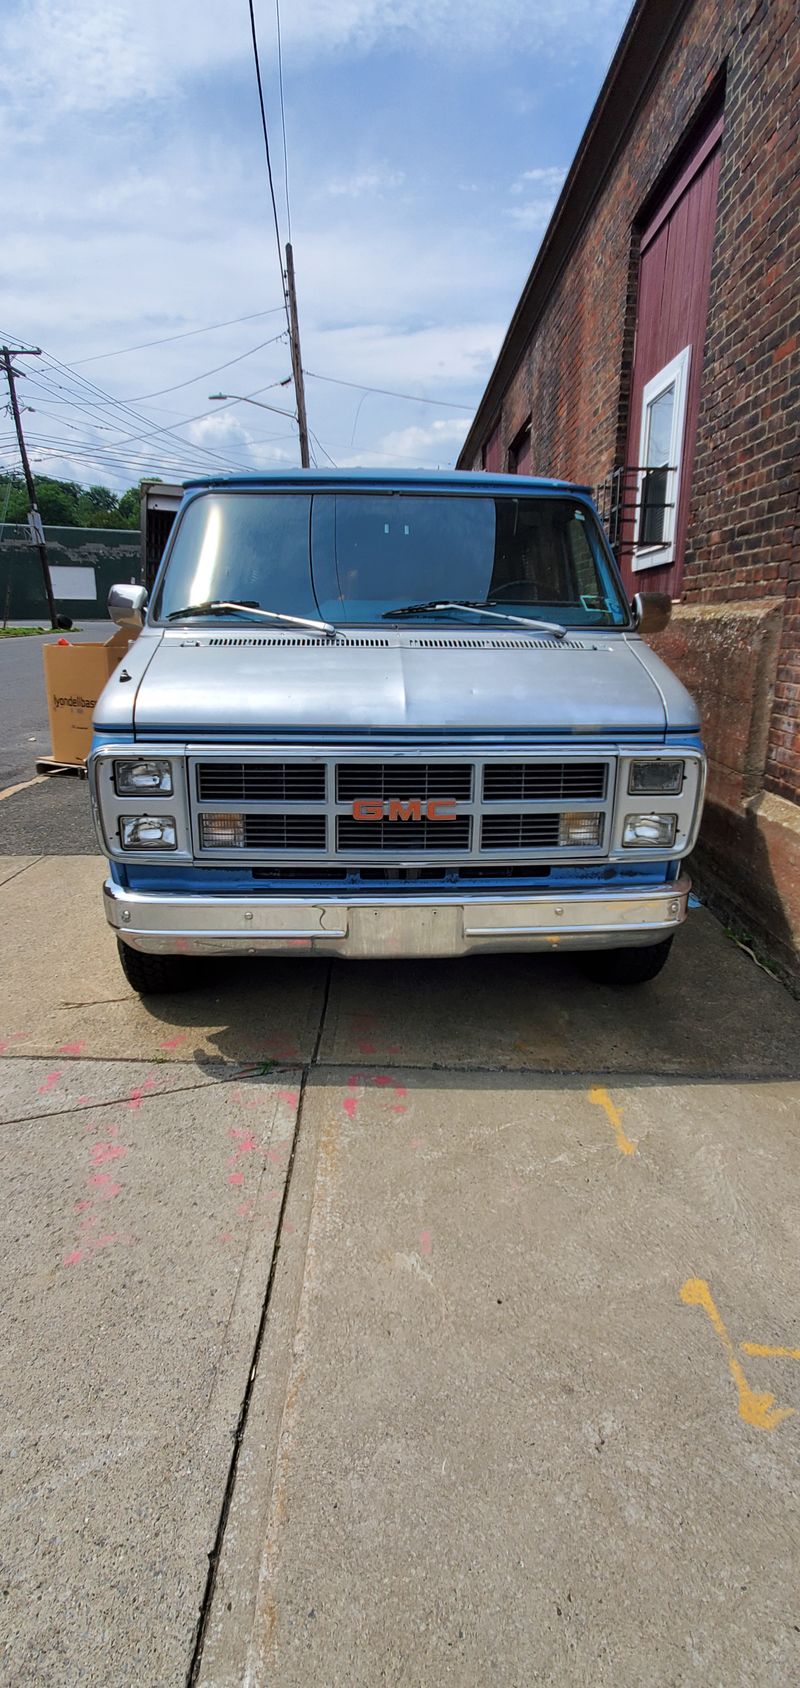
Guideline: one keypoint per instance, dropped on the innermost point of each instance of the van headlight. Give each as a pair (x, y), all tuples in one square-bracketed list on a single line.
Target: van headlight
[(656, 779), (649, 831), (150, 776), (148, 832)]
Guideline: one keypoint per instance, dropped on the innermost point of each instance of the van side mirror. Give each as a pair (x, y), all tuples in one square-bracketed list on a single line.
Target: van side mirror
[(651, 611), (126, 605)]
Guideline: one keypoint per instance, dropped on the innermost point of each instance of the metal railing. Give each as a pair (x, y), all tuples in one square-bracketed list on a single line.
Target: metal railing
[(633, 506)]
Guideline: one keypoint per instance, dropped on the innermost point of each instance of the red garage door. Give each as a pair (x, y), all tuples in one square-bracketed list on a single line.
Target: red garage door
[(671, 313)]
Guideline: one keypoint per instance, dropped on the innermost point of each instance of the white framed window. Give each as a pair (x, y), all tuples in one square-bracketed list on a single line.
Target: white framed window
[(660, 448)]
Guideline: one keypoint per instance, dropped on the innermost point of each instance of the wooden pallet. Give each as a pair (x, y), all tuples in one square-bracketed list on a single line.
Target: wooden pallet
[(49, 765)]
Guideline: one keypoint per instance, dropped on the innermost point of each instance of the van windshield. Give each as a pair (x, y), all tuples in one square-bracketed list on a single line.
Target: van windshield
[(356, 557)]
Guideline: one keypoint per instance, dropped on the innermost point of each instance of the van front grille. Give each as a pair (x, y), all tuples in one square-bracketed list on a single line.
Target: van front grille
[(509, 782), (403, 779), (402, 837), (261, 782), (404, 807), (284, 832)]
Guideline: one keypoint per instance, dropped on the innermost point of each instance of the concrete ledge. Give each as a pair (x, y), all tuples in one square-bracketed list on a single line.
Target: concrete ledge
[(726, 654), (747, 867)]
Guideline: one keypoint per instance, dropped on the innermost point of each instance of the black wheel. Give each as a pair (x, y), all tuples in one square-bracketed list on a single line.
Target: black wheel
[(626, 966), (155, 975)]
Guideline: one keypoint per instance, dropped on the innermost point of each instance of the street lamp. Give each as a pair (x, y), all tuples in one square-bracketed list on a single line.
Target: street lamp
[(242, 398)]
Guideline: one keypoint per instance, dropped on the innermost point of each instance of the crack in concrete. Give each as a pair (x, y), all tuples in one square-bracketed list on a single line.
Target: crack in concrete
[(20, 870), (123, 1101)]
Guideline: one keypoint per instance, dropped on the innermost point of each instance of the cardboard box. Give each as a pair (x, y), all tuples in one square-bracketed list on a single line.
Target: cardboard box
[(74, 677)]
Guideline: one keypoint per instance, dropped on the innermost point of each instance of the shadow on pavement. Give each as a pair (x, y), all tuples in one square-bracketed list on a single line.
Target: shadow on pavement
[(711, 1013)]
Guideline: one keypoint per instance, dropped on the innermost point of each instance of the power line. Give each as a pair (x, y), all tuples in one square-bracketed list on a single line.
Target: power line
[(144, 345), (150, 432), (289, 291), (325, 453), (267, 154), (86, 401), (283, 118), (386, 392), (206, 372), (94, 410)]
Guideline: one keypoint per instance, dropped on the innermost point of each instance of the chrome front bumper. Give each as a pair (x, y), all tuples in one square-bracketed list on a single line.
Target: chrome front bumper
[(375, 927)]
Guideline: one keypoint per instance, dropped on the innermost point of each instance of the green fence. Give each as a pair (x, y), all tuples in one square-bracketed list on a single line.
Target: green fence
[(84, 564)]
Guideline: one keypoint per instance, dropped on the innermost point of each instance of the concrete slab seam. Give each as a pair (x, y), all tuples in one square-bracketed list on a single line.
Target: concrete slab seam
[(241, 1424)]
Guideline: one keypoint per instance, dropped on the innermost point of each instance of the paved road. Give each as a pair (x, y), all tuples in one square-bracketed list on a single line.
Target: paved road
[(45, 819), (413, 1324)]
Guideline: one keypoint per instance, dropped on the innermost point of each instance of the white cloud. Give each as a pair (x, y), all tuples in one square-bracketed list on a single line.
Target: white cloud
[(81, 56), (376, 181), (549, 178), (543, 185), (435, 445)]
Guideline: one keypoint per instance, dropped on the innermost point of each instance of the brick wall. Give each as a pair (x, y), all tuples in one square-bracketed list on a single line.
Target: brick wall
[(742, 544)]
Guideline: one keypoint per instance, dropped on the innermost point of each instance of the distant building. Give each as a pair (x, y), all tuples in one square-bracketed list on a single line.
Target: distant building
[(654, 354)]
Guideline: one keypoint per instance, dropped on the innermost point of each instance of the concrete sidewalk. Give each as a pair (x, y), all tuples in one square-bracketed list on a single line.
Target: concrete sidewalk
[(435, 1307)]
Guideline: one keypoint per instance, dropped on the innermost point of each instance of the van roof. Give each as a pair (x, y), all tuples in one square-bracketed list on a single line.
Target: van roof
[(407, 480)]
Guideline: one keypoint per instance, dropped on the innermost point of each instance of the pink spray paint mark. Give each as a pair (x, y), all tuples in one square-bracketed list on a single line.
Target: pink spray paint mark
[(350, 1105), (381, 1079), (75, 1255), (425, 1243), (83, 1101), (174, 1042), (235, 1177), (102, 1152), (401, 1090), (399, 1108), (245, 1142), (105, 1185), (135, 1098), (72, 1048), (365, 1048), (50, 1083), (13, 1037), (290, 1098)]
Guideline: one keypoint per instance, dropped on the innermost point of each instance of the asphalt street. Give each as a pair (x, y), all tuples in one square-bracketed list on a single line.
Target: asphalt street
[(44, 818)]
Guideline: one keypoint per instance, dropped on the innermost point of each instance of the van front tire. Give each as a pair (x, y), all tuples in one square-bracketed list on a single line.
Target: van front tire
[(154, 975), (622, 967)]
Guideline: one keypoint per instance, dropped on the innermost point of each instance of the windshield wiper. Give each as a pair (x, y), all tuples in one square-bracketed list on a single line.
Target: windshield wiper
[(553, 627), (220, 607)]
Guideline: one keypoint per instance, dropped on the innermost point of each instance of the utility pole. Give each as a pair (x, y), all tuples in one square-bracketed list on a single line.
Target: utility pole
[(297, 366), (34, 518)]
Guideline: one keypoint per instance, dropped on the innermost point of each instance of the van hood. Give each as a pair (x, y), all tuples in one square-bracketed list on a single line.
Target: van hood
[(188, 685)]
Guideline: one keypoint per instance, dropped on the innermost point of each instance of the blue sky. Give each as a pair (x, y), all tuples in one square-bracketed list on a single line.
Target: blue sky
[(427, 143)]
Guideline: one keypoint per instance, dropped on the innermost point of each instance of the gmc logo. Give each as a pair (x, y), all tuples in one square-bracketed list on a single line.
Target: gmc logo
[(404, 809)]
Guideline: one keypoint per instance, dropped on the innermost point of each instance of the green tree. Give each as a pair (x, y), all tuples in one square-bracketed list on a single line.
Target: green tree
[(129, 508), (65, 504)]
